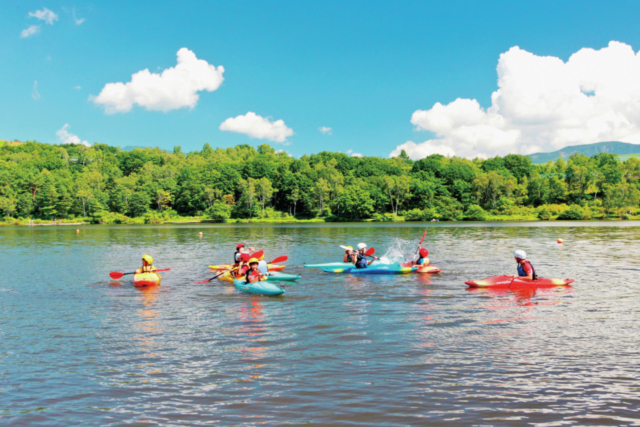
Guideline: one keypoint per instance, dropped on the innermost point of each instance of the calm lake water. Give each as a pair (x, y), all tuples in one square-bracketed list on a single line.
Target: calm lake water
[(77, 348)]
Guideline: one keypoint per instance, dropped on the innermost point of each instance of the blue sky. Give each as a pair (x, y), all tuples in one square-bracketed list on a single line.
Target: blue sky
[(361, 68)]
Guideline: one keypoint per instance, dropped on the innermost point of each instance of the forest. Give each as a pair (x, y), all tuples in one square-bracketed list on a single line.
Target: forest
[(103, 184)]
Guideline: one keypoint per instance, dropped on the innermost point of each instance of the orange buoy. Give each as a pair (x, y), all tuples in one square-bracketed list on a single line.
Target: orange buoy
[(77, 230), (560, 241), (200, 234)]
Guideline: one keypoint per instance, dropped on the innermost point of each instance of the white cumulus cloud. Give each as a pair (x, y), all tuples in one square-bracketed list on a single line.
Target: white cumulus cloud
[(258, 127), (542, 104), (29, 31), (353, 154), (66, 137), (77, 20), (44, 15), (175, 88), (325, 130)]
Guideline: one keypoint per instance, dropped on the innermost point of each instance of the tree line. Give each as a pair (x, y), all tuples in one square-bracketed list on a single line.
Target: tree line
[(102, 183)]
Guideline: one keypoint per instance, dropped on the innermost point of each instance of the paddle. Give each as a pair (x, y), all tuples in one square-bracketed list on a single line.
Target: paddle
[(115, 275), (282, 258), (421, 240), (370, 252), (216, 276)]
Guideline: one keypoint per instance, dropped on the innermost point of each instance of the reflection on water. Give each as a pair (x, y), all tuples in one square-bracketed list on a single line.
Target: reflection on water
[(79, 349)]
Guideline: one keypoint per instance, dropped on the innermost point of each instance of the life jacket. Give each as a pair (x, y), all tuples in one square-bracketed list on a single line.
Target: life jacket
[(252, 274), (146, 269), (236, 257), (420, 261), (242, 271), (522, 273), (348, 258), (361, 261)]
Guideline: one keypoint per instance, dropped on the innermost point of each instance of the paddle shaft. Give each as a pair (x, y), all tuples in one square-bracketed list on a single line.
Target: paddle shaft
[(421, 240)]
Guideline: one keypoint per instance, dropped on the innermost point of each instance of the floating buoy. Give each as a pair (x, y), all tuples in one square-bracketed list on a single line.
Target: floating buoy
[(200, 234), (77, 230), (560, 241)]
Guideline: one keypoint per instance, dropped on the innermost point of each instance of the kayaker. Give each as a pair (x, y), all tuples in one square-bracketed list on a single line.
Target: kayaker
[(253, 274), (243, 265), (239, 251), (525, 269), (147, 265), (360, 259), (348, 254), (423, 253)]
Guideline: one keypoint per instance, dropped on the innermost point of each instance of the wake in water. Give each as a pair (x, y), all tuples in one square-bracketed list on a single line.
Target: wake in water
[(400, 250)]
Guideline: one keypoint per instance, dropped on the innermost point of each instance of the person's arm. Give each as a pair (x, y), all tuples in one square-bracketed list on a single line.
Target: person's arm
[(527, 269)]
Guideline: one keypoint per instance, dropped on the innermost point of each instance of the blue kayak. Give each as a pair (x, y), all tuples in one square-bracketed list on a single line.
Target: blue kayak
[(276, 275), (330, 265), (259, 288), (373, 269)]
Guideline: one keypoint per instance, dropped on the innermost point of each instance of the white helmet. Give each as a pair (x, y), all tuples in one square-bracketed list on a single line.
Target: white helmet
[(520, 254), (362, 245)]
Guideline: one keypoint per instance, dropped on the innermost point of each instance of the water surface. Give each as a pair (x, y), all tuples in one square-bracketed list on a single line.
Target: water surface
[(80, 349)]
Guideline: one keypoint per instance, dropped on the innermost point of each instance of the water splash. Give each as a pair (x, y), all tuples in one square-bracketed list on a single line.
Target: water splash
[(400, 250)]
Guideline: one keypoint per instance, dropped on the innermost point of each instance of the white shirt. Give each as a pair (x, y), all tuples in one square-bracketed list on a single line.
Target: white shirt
[(262, 266)]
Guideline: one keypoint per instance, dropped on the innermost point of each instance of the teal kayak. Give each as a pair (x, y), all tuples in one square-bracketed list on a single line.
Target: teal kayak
[(374, 269), (259, 288), (330, 265), (276, 275)]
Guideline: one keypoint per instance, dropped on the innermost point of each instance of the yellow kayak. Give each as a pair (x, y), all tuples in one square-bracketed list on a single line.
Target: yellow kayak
[(146, 279), (271, 267)]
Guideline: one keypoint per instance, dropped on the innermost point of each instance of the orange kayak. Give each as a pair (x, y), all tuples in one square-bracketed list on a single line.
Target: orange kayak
[(146, 279), (517, 283), (271, 267)]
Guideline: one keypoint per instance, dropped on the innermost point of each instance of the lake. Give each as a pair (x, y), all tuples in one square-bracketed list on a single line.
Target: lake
[(80, 349)]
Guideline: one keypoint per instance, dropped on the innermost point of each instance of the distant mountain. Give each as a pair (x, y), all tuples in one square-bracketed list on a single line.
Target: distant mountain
[(613, 147)]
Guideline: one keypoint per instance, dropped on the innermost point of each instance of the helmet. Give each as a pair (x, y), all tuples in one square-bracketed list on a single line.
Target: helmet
[(239, 245), (520, 254), (148, 258), (424, 253), (253, 261), (362, 245), (350, 248), (245, 257)]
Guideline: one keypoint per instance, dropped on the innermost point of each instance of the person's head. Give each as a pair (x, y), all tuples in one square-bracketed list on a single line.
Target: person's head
[(424, 253), (253, 263), (349, 249), (520, 255), (147, 260), (362, 247), (240, 247)]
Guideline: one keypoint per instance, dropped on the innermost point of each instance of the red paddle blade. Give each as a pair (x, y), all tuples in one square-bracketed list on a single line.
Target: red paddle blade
[(257, 254), (164, 269), (370, 251), (202, 281), (282, 258), (115, 275)]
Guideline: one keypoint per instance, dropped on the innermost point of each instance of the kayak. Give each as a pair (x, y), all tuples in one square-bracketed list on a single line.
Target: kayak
[(258, 288), (146, 279), (426, 269), (379, 269), (271, 267), (517, 283), (330, 265), (273, 275)]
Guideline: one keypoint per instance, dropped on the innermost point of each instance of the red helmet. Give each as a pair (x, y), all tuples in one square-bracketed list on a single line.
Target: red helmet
[(424, 253), (239, 245), (245, 257)]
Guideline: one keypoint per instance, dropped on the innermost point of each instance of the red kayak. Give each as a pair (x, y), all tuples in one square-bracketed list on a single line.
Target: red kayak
[(426, 269), (517, 283)]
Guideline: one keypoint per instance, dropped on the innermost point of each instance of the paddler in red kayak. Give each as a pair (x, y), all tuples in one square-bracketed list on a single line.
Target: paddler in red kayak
[(360, 259), (147, 265), (525, 269), (253, 275), (422, 260)]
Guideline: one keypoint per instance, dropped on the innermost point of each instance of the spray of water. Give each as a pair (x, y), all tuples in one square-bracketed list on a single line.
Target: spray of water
[(399, 250)]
